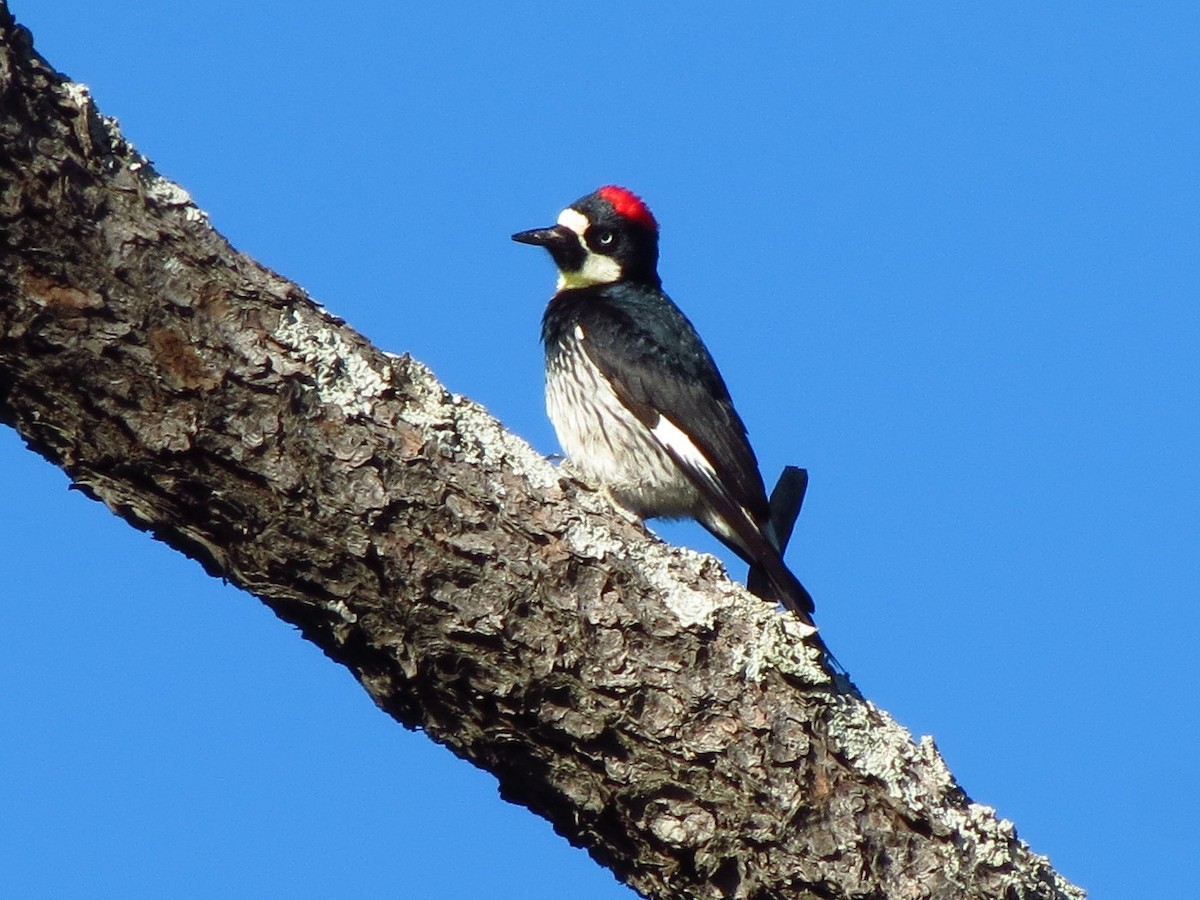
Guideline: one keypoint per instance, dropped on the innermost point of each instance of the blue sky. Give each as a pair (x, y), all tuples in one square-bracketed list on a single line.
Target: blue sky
[(946, 259)]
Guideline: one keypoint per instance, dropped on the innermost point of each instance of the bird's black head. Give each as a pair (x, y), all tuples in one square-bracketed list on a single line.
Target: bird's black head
[(608, 236)]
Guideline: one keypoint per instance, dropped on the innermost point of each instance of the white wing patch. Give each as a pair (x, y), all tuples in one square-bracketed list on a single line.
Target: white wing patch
[(684, 449), (670, 436)]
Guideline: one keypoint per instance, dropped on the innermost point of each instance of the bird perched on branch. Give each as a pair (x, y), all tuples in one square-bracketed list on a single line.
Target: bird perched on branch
[(634, 395)]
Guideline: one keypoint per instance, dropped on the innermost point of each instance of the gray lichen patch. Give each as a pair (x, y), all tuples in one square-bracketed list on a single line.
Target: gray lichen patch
[(343, 375)]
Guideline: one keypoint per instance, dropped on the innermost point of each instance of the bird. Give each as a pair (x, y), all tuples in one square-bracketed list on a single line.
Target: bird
[(635, 398)]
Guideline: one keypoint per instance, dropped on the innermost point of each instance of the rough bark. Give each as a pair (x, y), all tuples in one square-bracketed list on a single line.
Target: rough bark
[(653, 711)]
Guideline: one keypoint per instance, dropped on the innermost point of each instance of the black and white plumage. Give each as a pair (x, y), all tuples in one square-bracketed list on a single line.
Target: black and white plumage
[(634, 395)]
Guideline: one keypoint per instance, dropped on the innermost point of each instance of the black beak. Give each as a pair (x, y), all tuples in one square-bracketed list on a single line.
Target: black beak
[(561, 241), (555, 237)]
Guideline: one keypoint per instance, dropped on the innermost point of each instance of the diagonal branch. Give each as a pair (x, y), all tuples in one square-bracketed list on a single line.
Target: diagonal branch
[(656, 713)]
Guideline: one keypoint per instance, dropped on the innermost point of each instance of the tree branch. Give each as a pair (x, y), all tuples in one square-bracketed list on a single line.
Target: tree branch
[(653, 711)]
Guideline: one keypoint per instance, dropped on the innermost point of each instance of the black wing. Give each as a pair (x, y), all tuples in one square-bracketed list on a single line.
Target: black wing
[(661, 371), (659, 367)]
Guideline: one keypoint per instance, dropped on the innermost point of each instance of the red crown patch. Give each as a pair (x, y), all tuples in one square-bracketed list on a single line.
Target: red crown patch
[(629, 205)]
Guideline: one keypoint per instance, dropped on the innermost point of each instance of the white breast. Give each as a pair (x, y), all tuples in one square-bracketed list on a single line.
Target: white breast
[(607, 443)]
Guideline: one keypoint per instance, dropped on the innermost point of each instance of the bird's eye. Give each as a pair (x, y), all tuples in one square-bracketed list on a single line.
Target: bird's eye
[(605, 238)]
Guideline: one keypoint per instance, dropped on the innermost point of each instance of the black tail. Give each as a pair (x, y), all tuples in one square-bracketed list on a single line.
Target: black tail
[(786, 500), (772, 579)]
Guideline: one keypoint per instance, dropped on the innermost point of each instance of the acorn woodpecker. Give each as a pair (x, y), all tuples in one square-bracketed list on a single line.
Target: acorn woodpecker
[(634, 396)]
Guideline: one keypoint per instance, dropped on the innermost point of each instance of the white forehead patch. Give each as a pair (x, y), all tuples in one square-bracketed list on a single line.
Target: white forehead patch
[(574, 219)]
